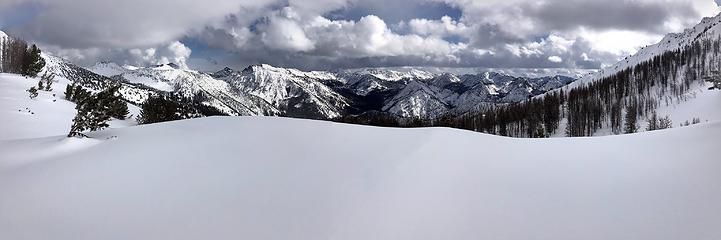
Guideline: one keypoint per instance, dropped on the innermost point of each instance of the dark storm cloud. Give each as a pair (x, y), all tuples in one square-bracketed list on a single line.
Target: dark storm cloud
[(630, 15)]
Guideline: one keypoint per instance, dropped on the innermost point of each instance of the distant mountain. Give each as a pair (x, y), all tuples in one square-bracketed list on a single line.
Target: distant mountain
[(267, 90), (189, 84), (288, 91)]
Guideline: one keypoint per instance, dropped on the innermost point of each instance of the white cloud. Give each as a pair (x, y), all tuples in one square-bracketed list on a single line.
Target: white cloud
[(371, 37), (617, 42), (126, 23), (446, 26), (284, 33), (525, 33), (175, 52)]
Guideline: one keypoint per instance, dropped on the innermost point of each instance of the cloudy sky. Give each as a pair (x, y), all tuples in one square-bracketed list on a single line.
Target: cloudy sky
[(330, 34)]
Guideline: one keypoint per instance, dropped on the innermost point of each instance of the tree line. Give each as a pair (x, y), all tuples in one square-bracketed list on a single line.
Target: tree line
[(19, 58)]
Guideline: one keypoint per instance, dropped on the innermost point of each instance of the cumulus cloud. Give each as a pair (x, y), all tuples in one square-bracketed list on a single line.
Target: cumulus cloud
[(371, 37), (327, 34), (283, 32), (555, 59), (175, 52), (444, 27), (127, 23)]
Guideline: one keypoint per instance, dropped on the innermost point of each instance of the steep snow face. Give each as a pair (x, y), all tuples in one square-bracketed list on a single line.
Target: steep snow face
[(418, 100), (218, 178)]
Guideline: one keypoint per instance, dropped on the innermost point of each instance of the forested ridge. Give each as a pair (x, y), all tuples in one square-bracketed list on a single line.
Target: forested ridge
[(617, 102)]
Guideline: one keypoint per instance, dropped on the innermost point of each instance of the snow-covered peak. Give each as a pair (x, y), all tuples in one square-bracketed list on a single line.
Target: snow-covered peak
[(445, 79), (226, 72), (131, 67), (167, 66), (278, 72), (108, 69), (3, 35), (393, 74)]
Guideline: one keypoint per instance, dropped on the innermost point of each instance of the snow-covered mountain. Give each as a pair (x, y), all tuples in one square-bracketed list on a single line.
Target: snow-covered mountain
[(390, 74), (448, 93), (108, 69), (290, 92), (134, 93), (708, 29), (667, 79), (267, 90), (169, 78)]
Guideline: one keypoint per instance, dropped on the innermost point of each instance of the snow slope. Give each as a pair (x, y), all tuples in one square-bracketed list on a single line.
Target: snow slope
[(108, 69), (708, 28), (274, 178), (47, 115)]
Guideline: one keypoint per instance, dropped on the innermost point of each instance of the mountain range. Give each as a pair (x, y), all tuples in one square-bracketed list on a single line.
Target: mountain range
[(266, 90)]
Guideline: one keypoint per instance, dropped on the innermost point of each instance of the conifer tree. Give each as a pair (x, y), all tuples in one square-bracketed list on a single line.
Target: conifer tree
[(91, 116), (69, 91), (159, 109), (665, 123), (653, 123), (33, 92), (33, 62), (631, 125), (48, 80), (94, 111), (116, 107)]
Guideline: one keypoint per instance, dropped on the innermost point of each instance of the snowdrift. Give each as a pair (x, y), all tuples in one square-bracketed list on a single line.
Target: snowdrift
[(274, 178)]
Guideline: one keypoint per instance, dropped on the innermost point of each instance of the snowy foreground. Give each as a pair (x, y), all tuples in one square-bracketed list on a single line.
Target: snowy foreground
[(47, 115), (274, 178)]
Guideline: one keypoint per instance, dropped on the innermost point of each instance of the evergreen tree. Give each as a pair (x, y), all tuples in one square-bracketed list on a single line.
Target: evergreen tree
[(653, 123), (48, 80), (94, 111), (631, 120), (33, 62), (665, 123), (159, 109), (80, 94), (116, 107), (69, 91), (33, 92), (91, 116)]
